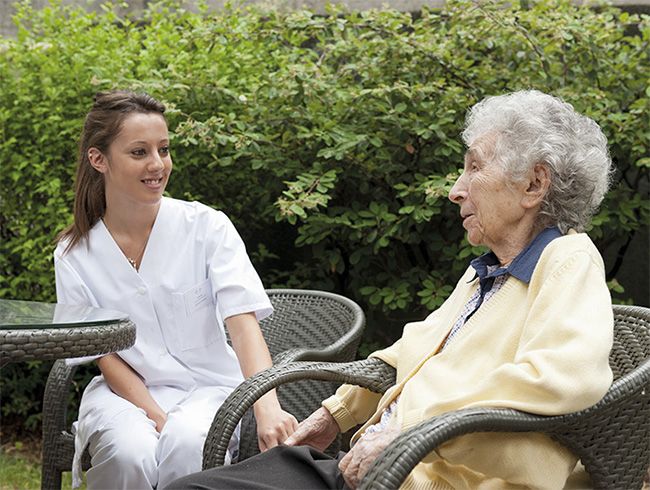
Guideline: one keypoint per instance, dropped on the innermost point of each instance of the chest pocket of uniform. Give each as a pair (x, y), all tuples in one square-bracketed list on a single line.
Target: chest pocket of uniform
[(195, 316)]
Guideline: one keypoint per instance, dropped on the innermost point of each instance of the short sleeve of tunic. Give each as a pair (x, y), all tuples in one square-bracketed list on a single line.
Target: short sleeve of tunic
[(71, 290), (235, 283)]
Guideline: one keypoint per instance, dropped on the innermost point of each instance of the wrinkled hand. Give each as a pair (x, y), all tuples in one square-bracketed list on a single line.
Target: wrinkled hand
[(273, 427), (356, 463), (318, 431)]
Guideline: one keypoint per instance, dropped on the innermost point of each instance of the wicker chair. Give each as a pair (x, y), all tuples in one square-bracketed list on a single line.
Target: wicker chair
[(306, 325), (612, 438)]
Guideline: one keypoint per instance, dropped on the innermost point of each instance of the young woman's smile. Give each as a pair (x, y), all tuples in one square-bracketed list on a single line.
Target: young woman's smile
[(138, 162)]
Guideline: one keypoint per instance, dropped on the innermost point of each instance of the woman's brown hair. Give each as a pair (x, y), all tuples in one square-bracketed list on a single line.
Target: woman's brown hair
[(102, 125)]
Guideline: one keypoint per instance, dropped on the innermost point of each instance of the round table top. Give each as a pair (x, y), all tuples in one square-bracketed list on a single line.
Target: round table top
[(32, 330), (32, 314)]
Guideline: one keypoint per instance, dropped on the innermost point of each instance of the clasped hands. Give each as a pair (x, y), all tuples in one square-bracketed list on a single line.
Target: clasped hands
[(319, 430)]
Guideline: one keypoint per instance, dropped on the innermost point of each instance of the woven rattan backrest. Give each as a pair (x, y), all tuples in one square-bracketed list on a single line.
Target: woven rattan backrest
[(631, 339), (311, 320), (314, 320), (613, 437)]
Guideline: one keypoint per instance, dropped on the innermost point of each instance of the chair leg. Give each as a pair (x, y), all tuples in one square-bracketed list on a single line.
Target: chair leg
[(50, 477), (55, 401)]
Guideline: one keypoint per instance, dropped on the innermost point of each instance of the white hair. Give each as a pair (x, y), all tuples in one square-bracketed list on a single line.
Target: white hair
[(532, 127)]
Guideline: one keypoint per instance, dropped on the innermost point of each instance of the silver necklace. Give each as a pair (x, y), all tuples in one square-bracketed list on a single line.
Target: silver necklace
[(134, 262)]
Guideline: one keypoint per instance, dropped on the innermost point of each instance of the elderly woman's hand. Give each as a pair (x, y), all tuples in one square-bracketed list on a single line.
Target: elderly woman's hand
[(318, 431), (357, 461)]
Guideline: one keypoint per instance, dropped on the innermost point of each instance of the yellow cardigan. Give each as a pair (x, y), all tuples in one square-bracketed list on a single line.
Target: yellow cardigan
[(541, 347)]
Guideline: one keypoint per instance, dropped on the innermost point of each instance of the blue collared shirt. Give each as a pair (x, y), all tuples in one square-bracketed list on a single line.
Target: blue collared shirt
[(491, 276), (521, 267)]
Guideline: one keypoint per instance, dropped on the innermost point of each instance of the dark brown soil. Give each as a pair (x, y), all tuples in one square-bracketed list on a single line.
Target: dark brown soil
[(15, 440)]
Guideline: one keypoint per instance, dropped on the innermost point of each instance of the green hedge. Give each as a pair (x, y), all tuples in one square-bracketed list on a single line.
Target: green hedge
[(331, 141)]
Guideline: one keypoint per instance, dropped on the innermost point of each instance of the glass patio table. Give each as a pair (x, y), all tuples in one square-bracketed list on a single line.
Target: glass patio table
[(32, 330)]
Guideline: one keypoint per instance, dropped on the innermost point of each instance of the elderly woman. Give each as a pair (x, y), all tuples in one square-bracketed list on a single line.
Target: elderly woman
[(528, 326)]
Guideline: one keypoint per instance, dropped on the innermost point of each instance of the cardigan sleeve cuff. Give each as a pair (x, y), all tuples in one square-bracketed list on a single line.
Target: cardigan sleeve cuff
[(339, 411)]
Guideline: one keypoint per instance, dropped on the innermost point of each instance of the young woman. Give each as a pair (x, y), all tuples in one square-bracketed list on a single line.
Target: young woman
[(180, 270)]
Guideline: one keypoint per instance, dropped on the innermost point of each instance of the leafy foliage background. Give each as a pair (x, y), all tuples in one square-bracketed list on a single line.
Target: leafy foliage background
[(331, 141)]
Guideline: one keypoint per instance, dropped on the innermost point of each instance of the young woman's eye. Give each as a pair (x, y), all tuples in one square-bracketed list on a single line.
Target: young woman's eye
[(139, 152), (164, 150)]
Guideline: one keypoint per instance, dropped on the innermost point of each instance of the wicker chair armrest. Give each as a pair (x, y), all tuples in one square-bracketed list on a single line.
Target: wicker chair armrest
[(289, 355), (329, 354), (294, 355), (393, 465), (373, 374), (335, 352)]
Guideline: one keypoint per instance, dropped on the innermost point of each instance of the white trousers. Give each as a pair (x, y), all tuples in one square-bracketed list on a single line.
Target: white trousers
[(128, 452)]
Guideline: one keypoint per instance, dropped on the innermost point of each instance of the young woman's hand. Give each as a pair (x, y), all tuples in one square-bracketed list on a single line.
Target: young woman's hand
[(125, 382), (159, 417), (274, 425), (318, 431)]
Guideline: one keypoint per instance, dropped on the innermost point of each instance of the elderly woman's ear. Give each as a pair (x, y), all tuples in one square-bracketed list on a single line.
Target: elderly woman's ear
[(539, 182)]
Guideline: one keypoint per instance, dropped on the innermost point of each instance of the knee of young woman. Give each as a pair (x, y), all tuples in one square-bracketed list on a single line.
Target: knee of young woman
[(124, 445), (186, 438)]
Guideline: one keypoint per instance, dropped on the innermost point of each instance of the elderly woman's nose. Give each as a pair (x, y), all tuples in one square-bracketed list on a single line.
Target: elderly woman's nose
[(459, 190)]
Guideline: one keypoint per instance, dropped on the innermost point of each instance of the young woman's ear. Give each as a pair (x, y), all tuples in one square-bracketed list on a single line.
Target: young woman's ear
[(538, 185), (97, 160)]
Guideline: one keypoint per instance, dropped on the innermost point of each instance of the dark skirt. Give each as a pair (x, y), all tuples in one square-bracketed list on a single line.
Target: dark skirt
[(280, 468)]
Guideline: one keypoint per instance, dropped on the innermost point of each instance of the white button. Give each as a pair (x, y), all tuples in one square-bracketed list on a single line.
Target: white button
[(142, 290)]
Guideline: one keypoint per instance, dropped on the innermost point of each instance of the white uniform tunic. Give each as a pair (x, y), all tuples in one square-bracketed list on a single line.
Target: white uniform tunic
[(194, 273)]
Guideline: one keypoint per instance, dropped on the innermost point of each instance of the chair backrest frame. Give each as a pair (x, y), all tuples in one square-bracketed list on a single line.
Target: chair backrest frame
[(612, 438), (306, 325)]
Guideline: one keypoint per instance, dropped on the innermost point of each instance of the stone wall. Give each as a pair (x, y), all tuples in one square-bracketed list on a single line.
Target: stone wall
[(7, 27)]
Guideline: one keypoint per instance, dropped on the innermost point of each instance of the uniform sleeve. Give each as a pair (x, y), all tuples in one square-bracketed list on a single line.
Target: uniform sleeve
[(71, 290), (235, 283)]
